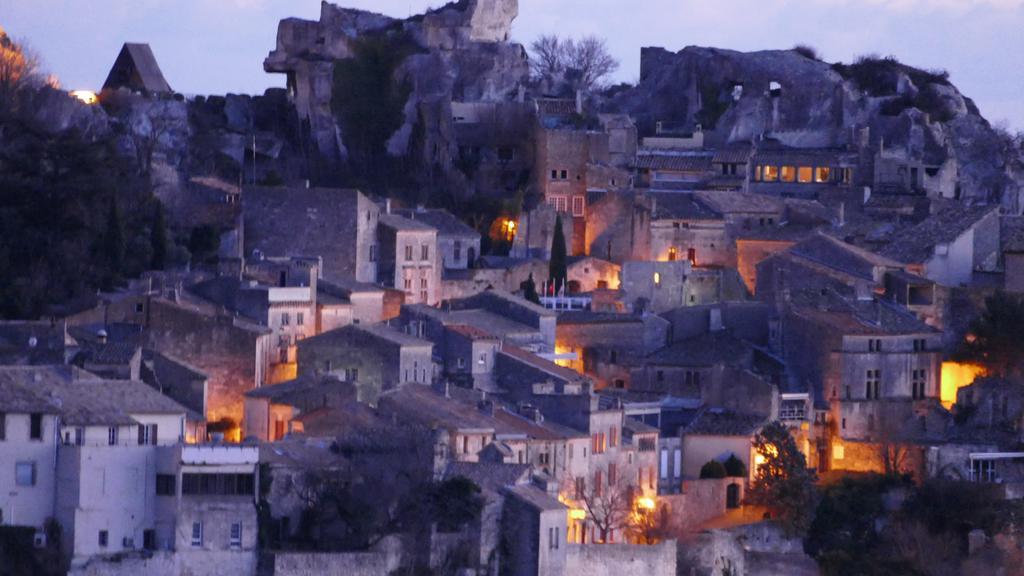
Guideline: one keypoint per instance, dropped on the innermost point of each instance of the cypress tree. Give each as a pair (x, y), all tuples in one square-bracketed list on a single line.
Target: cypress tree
[(557, 267), (158, 239)]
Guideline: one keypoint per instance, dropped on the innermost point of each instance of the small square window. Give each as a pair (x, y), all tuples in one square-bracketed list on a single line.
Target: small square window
[(104, 538), (197, 534), (236, 535), (25, 473)]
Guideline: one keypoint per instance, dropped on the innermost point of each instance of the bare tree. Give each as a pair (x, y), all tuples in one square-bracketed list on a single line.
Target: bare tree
[(609, 508), (892, 442), (583, 64), (19, 69), (547, 56), (650, 526), (590, 58)]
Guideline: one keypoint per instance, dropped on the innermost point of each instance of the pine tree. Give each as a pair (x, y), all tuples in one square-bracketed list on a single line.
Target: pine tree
[(783, 483), (158, 239), (557, 267)]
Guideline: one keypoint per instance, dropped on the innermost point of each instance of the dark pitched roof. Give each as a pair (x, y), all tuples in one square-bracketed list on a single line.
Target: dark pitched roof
[(839, 255), (536, 498), (31, 342), (136, 69), (728, 202), (917, 244), (108, 353), (859, 317), (708, 349), (782, 156), (719, 422), (681, 206), (674, 161), (445, 222), (402, 223), (588, 317), (487, 475)]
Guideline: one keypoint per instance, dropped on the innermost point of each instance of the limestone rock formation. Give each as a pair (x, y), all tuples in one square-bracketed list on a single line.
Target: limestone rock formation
[(461, 52), (805, 102)]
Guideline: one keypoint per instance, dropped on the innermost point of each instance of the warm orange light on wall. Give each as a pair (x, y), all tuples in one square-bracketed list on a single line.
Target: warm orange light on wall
[(646, 504), (577, 514), (956, 376), (86, 96)]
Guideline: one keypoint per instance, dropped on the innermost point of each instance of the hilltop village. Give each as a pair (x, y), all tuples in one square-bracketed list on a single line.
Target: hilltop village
[(427, 311)]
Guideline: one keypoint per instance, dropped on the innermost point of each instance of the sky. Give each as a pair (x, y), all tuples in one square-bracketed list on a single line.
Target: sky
[(218, 46)]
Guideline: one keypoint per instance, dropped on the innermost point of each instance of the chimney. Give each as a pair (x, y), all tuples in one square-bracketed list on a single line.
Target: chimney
[(307, 183), (387, 206), (101, 336), (579, 102), (842, 213)]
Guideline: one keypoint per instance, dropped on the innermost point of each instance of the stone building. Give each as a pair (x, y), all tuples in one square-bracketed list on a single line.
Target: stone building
[(1013, 253), (34, 342), (467, 356), (136, 70), (338, 226), (408, 259), (588, 273), (607, 346), (377, 356), (717, 434), (685, 228), (457, 243)]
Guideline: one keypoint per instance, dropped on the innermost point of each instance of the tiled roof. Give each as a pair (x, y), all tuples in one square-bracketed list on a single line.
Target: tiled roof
[(917, 244), (402, 223), (108, 353), (537, 498), (487, 475), (587, 317), (839, 255), (445, 222), (856, 317), (681, 206), (471, 332), (733, 155), (706, 350), (719, 422), (674, 162), (802, 156), (728, 202), (541, 364)]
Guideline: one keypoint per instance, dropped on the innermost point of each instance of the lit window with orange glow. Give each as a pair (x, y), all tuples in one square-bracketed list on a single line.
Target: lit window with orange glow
[(657, 278), (672, 254), (771, 173), (804, 174), (956, 376), (822, 174), (788, 174)]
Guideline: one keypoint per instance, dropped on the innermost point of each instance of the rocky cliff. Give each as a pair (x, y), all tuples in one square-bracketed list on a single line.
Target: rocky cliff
[(802, 101), (457, 52)]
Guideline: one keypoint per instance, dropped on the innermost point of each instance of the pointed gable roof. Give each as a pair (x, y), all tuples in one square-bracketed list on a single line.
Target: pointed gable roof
[(136, 69)]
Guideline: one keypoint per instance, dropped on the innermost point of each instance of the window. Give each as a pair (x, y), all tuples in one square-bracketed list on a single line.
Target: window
[(165, 484), (104, 538), (423, 283), (139, 307), (613, 474), (423, 296), (285, 319), (408, 284), (874, 345), (149, 539), (578, 209), (197, 534), (664, 464), (847, 175), (672, 255), (79, 436), (461, 363), (3, 426), (457, 250), (236, 535), (598, 483), (804, 174), (771, 173), (408, 253), (425, 252), (657, 279), (554, 174), (300, 318), (647, 444), (147, 434), (560, 203), (112, 436), (822, 174), (217, 484), (919, 383), (613, 356), (373, 253), (35, 430), (581, 487), (352, 375), (613, 436), (25, 473), (788, 174), (677, 463), (872, 385), (564, 174)]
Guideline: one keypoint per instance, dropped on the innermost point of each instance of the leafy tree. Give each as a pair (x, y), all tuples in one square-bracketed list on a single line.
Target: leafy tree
[(558, 271), (713, 469), (158, 238), (529, 288), (995, 339), (19, 70), (204, 241), (782, 482), (735, 467), (455, 503)]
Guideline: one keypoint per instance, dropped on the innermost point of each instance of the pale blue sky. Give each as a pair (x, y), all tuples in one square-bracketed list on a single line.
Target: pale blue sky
[(218, 46)]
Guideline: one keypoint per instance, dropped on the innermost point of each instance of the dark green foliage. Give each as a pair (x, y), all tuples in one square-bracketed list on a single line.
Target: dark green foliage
[(529, 288), (558, 272), (735, 467), (806, 51), (997, 336), (712, 106), (713, 469), (783, 483), (368, 100), (158, 238), (67, 206), (880, 76), (203, 242), (455, 503), (959, 507)]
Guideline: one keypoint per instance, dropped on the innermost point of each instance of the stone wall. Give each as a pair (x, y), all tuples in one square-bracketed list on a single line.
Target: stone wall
[(385, 559), (622, 560), (700, 501), (207, 563)]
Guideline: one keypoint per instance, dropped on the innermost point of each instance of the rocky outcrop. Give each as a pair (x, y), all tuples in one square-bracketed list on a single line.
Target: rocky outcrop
[(805, 102), (461, 52)]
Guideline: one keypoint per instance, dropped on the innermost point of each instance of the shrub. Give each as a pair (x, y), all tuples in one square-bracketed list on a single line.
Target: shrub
[(713, 469), (735, 467), (806, 51)]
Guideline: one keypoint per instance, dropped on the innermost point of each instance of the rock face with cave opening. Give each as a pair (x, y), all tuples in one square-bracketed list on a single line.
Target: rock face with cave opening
[(910, 112)]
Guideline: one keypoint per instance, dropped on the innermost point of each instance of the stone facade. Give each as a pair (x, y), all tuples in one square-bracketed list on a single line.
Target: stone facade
[(622, 560)]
